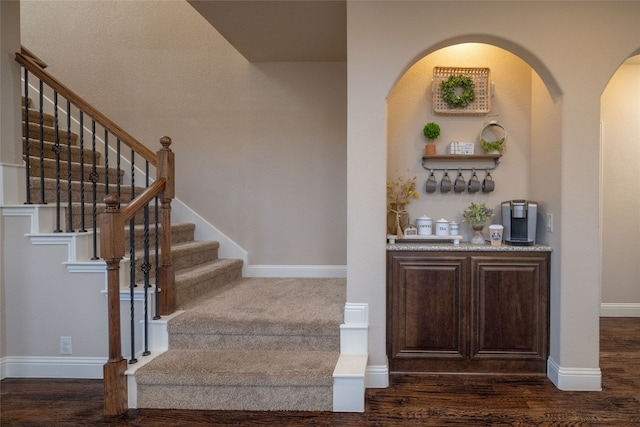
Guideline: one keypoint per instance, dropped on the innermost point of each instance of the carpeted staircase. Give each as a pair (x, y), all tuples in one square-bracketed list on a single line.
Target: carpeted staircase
[(248, 344), (253, 344)]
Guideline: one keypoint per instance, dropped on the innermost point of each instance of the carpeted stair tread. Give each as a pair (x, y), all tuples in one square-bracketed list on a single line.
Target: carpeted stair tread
[(240, 368), (270, 306)]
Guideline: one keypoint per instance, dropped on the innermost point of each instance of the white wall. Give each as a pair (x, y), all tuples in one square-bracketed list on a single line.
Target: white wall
[(621, 189), (260, 148), (558, 40)]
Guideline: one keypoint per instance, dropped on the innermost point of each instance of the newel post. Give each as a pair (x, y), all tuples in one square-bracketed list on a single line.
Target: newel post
[(112, 250), (166, 279)]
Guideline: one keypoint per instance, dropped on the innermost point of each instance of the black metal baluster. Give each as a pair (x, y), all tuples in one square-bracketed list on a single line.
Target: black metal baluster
[(27, 136), (69, 176), (157, 259), (132, 267), (82, 228), (93, 176), (118, 183), (42, 198), (146, 267), (106, 162), (57, 149)]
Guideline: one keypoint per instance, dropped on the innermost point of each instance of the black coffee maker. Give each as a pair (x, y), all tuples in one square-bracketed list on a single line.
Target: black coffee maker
[(519, 218)]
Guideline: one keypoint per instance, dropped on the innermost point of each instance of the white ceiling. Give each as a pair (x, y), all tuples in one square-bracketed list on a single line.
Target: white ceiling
[(272, 30)]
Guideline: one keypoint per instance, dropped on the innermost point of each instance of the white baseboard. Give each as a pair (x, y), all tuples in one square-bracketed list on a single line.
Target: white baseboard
[(574, 379), (620, 309), (377, 376), (52, 367), (326, 271)]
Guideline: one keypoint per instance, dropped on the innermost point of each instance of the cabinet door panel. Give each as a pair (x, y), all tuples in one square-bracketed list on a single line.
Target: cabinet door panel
[(509, 308), (426, 305), (431, 308)]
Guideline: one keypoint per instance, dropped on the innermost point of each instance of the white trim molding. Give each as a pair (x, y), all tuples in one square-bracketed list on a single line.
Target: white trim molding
[(620, 309), (349, 375), (52, 367), (377, 376), (574, 379)]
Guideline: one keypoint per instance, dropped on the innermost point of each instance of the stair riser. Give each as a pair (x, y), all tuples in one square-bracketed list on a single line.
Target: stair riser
[(50, 170), (236, 398), (49, 134), (250, 342), (34, 151)]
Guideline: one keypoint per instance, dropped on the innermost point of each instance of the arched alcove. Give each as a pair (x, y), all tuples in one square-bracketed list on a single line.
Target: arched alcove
[(527, 104), (521, 102)]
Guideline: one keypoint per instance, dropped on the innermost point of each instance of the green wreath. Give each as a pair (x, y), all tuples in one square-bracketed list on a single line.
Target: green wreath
[(448, 88)]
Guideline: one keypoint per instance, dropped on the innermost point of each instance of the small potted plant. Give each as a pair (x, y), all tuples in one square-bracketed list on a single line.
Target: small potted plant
[(431, 132), (477, 215)]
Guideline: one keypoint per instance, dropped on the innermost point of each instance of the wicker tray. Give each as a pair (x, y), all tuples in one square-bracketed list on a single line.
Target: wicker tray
[(482, 91)]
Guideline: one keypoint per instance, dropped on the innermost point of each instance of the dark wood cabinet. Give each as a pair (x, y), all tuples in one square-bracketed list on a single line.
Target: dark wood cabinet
[(476, 311)]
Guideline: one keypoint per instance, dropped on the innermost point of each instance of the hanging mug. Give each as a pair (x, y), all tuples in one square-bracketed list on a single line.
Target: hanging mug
[(460, 183), (445, 183), (474, 184), (432, 184), (488, 184)]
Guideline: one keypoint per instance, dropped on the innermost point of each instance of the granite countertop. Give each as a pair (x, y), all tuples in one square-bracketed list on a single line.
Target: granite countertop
[(463, 246)]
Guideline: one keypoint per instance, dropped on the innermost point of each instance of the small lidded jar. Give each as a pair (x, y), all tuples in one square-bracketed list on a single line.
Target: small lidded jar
[(425, 225), (442, 227), (454, 228)]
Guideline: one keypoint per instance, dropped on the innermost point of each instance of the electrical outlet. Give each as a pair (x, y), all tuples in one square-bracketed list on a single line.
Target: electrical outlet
[(549, 223), (65, 345)]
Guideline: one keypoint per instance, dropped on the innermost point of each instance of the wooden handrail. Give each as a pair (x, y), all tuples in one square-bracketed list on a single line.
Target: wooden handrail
[(143, 199), (36, 69), (27, 52)]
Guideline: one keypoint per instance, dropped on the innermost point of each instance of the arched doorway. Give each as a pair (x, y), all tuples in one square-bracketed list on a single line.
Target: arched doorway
[(620, 119)]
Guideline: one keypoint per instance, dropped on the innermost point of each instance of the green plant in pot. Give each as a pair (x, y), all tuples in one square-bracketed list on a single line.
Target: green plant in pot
[(431, 132)]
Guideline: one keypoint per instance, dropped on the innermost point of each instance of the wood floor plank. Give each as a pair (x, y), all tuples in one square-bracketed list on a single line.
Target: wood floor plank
[(465, 400)]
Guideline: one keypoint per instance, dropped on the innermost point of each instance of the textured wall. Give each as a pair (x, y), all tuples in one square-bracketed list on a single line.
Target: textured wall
[(260, 149)]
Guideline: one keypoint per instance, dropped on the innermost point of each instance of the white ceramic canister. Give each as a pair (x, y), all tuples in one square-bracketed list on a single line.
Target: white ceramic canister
[(442, 227), (454, 228), (425, 225)]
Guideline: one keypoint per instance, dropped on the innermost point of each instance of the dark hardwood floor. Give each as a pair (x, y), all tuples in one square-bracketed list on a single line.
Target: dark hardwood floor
[(469, 400)]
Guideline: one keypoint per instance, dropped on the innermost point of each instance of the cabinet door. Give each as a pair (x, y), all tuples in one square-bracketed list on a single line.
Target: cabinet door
[(428, 322), (509, 299)]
